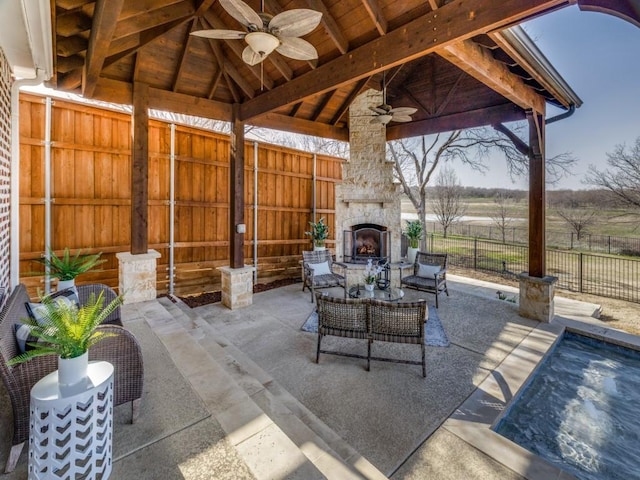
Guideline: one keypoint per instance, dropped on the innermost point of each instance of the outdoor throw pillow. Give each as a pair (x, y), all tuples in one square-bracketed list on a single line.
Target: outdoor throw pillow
[(320, 268), (428, 270), (24, 337), (68, 296)]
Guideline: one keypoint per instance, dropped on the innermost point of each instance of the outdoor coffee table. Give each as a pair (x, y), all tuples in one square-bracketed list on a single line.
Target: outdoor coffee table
[(391, 294)]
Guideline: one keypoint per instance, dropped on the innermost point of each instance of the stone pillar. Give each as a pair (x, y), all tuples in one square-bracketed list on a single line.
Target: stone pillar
[(536, 297), (237, 286), (137, 276), (367, 193)]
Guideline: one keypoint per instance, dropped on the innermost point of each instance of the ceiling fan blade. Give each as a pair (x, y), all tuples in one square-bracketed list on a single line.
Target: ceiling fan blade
[(379, 110), (242, 12), (295, 23), (375, 120), (297, 48), (220, 34), (401, 118), (250, 57), (403, 111)]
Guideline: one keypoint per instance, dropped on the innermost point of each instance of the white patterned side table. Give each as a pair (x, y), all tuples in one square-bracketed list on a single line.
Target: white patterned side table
[(70, 435)]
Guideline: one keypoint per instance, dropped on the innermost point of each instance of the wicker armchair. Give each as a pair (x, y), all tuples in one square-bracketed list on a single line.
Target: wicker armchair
[(122, 351), (84, 291), (429, 274), (315, 274), (398, 323)]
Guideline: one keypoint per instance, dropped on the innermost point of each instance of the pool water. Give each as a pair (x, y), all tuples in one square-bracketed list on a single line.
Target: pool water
[(581, 410)]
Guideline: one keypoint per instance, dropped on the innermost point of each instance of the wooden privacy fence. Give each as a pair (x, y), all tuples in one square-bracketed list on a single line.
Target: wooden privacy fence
[(75, 181)]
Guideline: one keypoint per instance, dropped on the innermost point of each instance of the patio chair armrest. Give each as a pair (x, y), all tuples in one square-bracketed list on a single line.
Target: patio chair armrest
[(340, 264)]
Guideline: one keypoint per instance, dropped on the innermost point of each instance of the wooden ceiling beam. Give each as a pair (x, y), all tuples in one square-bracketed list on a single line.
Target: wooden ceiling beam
[(215, 83), (66, 64), (322, 105), (330, 25), (65, 47), (375, 12), (160, 16), (298, 125), (211, 21), (115, 91), (105, 19), (478, 62), (457, 121), (204, 6), (231, 72), (451, 23), (72, 23)]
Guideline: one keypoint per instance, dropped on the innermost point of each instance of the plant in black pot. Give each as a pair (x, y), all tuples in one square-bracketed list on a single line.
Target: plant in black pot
[(413, 232), (67, 266), (65, 329)]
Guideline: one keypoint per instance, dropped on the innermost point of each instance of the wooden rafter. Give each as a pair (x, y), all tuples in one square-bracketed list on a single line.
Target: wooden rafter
[(231, 74), (475, 118), (131, 44), (330, 25), (211, 21), (105, 19), (299, 125), (203, 7), (454, 22), (358, 87), (417, 101), (184, 54), (215, 83), (322, 105), (146, 18), (375, 12), (477, 62), (449, 94)]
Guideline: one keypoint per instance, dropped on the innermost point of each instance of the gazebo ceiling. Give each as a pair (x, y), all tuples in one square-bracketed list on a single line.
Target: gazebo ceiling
[(459, 64)]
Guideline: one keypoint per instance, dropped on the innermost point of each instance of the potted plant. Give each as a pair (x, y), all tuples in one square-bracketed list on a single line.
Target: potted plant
[(370, 275), (319, 233), (68, 331), (413, 232), (67, 267)]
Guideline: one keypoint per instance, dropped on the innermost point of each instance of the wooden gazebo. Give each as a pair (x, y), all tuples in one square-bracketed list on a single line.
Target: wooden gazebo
[(459, 62)]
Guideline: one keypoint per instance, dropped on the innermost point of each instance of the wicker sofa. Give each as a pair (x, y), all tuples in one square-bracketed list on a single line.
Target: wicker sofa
[(371, 320), (121, 350)]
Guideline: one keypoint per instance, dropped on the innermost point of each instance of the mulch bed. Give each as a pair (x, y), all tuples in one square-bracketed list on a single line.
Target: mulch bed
[(214, 297)]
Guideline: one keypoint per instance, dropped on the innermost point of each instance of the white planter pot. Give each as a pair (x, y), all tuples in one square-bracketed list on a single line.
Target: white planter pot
[(318, 249), (63, 284), (72, 374), (411, 254), (369, 287)]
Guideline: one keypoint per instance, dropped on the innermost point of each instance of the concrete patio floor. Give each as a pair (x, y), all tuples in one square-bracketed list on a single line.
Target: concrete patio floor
[(237, 394)]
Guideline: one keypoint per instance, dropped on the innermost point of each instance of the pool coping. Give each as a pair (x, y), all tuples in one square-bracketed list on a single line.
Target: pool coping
[(473, 421)]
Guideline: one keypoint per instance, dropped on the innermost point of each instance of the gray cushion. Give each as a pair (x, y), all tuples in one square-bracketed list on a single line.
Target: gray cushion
[(68, 296), (24, 337), (427, 270)]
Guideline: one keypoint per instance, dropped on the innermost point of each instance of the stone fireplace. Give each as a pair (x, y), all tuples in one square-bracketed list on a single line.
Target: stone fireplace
[(367, 201)]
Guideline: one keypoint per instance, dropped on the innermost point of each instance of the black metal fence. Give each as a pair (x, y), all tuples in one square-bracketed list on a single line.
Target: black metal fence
[(603, 275), (609, 244)]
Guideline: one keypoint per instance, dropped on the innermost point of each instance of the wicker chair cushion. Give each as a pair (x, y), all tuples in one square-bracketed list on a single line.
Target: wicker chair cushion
[(320, 268), (24, 337), (419, 282), (428, 270), (68, 296), (331, 280)]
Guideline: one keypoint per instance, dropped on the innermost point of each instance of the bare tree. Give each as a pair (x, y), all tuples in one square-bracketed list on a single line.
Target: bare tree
[(415, 159), (446, 199), (578, 219), (307, 143), (502, 216), (622, 176)]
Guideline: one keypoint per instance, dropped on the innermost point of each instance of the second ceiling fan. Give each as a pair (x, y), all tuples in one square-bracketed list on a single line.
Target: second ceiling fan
[(266, 33), (385, 113)]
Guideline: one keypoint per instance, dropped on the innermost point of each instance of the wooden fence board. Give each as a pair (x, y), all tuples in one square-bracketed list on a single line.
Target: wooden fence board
[(91, 182)]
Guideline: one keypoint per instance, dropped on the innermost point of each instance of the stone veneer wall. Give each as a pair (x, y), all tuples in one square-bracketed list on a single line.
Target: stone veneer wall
[(5, 171), (367, 193)]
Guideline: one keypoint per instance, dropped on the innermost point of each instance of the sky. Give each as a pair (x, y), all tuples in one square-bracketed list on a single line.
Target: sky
[(599, 57)]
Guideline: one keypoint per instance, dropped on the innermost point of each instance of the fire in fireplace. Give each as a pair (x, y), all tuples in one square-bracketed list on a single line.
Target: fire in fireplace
[(365, 241)]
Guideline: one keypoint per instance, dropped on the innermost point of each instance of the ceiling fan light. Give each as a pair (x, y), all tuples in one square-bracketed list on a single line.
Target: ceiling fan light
[(384, 119), (262, 43)]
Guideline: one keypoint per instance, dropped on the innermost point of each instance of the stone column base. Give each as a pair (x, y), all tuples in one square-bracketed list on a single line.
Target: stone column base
[(137, 276), (237, 286), (536, 297)]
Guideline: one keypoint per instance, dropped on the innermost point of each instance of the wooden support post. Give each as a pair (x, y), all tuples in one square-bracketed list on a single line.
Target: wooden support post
[(236, 184), (140, 169), (537, 201)]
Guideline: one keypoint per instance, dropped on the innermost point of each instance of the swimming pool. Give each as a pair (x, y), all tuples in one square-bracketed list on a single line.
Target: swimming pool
[(581, 410)]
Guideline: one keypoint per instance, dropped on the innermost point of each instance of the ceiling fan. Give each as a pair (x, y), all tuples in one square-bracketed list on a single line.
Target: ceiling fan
[(385, 113), (266, 33)]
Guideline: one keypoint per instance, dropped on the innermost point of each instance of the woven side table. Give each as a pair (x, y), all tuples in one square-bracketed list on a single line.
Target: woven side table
[(70, 435)]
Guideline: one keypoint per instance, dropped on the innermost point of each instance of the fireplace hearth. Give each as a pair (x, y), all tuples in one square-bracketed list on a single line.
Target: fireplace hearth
[(366, 241)]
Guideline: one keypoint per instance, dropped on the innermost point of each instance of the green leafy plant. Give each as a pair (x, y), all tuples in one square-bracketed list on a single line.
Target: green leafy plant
[(413, 232), (319, 232), (67, 266), (66, 329)]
